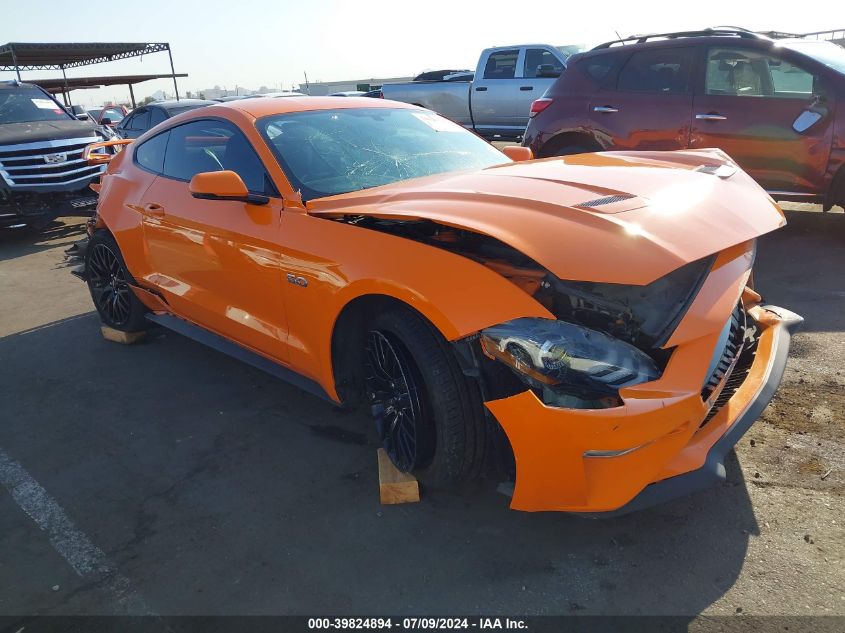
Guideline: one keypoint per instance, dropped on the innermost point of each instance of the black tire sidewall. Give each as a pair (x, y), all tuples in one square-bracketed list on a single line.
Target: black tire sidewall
[(137, 311), (450, 402)]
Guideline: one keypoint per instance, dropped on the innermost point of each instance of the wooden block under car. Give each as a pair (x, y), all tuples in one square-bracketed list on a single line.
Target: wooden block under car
[(127, 338), (394, 486)]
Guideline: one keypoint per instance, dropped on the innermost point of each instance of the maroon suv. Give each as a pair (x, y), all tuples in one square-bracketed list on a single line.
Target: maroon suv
[(771, 104)]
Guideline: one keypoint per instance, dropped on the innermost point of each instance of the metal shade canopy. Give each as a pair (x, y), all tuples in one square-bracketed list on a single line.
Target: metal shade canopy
[(18, 56), (56, 56)]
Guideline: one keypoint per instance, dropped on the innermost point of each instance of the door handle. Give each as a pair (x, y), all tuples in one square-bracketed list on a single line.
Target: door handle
[(480, 88), (154, 210), (711, 116), (526, 87), (607, 109)]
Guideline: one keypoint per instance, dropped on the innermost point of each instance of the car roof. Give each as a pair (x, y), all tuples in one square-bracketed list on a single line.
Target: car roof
[(14, 83), (182, 103), (281, 93), (679, 42), (258, 108)]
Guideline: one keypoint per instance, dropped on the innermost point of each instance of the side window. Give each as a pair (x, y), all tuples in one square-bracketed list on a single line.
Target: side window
[(150, 153), (157, 116), (140, 121), (599, 67), (749, 73), (207, 145), (789, 80), (501, 65), (661, 70), (536, 57)]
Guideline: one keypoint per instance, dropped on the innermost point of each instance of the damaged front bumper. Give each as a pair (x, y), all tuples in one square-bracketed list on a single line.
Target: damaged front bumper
[(653, 448), (713, 469), (38, 209)]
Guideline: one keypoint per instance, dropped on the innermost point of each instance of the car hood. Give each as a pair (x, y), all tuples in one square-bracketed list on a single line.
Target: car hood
[(617, 217), (33, 131)]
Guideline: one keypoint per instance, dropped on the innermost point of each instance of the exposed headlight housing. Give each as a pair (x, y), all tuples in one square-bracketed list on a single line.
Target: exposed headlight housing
[(549, 354)]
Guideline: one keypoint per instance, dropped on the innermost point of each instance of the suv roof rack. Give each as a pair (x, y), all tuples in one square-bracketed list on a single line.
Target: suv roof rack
[(724, 31)]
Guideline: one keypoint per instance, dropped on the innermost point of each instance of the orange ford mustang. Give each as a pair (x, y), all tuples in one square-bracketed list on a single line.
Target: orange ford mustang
[(584, 323)]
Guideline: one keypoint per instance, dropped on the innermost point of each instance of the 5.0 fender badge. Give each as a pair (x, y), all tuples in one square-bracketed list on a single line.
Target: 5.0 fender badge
[(298, 281)]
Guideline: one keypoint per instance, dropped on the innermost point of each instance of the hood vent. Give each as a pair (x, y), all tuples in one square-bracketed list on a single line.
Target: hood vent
[(722, 171), (598, 202)]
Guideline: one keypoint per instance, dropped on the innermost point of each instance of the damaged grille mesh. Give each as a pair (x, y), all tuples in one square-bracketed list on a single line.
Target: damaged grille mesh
[(739, 352)]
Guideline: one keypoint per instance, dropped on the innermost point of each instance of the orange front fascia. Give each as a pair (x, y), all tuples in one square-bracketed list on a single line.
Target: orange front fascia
[(659, 419), (694, 453), (549, 443)]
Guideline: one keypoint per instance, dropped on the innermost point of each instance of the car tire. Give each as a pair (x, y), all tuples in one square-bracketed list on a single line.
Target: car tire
[(411, 368), (108, 282)]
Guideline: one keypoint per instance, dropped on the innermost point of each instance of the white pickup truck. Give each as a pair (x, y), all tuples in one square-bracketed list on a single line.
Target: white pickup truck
[(495, 102)]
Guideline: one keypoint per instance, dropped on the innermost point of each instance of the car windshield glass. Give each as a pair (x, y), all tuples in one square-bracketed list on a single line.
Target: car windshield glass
[(826, 53), (24, 105), (114, 114), (570, 49), (327, 152)]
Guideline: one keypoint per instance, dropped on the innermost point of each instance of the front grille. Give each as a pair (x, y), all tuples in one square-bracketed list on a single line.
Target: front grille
[(26, 166), (735, 363)]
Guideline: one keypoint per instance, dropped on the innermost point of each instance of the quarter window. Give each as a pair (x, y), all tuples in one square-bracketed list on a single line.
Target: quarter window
[(150, 153), (157, 116), (501, 65), (140, 121), (206, 145), (599, 66), (661, 70), (749, 73)]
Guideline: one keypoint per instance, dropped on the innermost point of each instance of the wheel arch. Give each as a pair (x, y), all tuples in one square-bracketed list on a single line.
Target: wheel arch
[(569, 137), (836, 191), (348, 336)]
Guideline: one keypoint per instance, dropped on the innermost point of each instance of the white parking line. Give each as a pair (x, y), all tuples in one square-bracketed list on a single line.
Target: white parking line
[(86, 559)]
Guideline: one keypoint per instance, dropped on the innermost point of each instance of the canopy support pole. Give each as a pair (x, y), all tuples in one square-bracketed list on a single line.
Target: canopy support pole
[(66, 91), (132, 95), (173, 72)]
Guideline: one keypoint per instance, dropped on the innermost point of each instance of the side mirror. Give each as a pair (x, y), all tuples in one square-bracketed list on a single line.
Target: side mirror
[(82, 117), (548, 71), (223, 185), (518, 153), (105, 121), (806, 120)]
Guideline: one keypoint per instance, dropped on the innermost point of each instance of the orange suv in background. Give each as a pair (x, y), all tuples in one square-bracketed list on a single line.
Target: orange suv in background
[(776, 106)]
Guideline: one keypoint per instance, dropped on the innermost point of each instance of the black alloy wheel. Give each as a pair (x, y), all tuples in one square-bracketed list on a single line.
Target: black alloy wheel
[(393, 388), (109, 288)]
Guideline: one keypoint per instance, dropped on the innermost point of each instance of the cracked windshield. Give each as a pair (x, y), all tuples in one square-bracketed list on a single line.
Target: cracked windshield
[(328, 152)]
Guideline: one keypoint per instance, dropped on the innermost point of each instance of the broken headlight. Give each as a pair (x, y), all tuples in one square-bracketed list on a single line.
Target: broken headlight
[(549, 355)]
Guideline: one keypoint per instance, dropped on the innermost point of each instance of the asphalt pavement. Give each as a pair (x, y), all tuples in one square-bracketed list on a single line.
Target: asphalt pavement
[(166, 478)]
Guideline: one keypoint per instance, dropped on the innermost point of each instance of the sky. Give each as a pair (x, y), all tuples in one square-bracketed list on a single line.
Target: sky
[(250, 43)]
